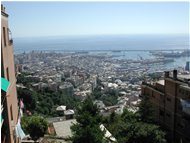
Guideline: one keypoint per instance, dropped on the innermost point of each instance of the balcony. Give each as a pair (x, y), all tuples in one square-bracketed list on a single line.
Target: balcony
[(3, 98), (2, 120), (10, 37), (10, 42)]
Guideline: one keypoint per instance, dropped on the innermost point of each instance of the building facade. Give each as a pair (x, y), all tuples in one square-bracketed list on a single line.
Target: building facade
[(171, 101), (9, 103), (187, 68)]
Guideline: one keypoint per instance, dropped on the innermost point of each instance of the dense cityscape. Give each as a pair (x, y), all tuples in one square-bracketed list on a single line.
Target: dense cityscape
[(76, 74)]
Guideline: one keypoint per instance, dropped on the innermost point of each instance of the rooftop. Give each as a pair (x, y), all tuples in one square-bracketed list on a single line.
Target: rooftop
[(161, 82), (62, 129), (3, 11), (185, 87), (184, 76)]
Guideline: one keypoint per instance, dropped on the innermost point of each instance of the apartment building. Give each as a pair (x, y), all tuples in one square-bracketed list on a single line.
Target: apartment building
[(9, 104), (171, 101)]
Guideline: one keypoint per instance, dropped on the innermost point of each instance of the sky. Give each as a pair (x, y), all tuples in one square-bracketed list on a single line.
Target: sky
[(39, 19)]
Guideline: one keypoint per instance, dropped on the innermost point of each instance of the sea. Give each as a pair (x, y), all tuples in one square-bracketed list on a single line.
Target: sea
[(119, 46)]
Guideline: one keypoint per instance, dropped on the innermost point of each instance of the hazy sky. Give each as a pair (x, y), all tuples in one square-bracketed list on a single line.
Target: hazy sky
[(34, 19)]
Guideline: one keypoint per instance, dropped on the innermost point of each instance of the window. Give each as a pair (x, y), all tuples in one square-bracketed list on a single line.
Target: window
[(168, 115), (181, 125), (161, 113), (2, 66), (4, 37), (2, 72), (179, 105), (11, 110), (7, 70), (168, 99), (8, 34)]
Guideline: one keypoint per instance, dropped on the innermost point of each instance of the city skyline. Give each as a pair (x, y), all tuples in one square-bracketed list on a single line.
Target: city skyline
[(39, 19)]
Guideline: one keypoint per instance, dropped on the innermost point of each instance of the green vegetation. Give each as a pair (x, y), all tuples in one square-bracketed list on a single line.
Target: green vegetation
[(21, 78), (45, 102), (97, 93), (36, 126), (29, 98), (155, 76), (127, 128), (24, 123), (135, 127), (87, 129), (109, 98), (146, 111), (35, 99)]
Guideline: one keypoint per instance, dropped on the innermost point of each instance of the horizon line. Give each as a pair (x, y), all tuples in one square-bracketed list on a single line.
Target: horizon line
[(92, 35)]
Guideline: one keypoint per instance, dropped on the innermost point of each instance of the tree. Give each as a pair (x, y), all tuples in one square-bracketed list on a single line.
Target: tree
[(97, 92), (87, 128), (109, 100), (28, 97), (128, 128), (36, 126), (48, 99), (21, 78), (140, 132), (146, 110), (25, 121)]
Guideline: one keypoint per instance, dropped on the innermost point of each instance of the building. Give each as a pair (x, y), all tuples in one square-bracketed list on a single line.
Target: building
[(18, 68), (9, 104), (67, 88), (187, 68), (171, 101)]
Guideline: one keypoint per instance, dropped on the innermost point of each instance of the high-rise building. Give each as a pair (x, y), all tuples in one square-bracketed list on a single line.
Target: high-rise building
[(171, 101), (9, 103), (187, 68)]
